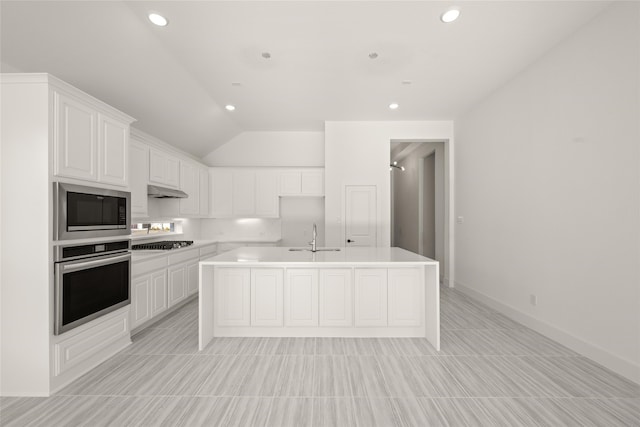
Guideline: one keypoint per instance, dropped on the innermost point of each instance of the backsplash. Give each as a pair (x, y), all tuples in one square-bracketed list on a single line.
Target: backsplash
[(260, 228)]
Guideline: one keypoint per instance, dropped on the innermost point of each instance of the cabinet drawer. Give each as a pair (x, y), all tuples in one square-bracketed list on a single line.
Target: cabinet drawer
[(143, 267), (183, 256), (90, 342)]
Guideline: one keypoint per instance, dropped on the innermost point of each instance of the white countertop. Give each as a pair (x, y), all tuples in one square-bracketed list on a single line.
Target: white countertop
[(139, 255), (352, 255)]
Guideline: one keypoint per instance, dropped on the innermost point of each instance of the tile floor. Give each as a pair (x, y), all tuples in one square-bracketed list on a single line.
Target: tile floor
[(491, 372)]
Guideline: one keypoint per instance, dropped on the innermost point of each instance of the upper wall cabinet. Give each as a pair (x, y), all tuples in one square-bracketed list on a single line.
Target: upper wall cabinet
[(139, 160), (301, 182), (90, 143), (244, 193), (164, 169), (204, 192), (190, 184)]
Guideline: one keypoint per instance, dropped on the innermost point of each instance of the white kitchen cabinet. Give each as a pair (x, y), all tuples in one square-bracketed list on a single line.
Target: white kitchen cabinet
[(190, 184), (221, 193), (139, 178), (140, 300), (405, 297), (203, 187), (335, 299), (113, 140), (301, 297), (159, 292), (267, 296), (266, 194), (244, 193), (370, 297), (232, 296), (90, 144), (164, 169), (192, 277), (177, 283), (302, 182), (76, 138)]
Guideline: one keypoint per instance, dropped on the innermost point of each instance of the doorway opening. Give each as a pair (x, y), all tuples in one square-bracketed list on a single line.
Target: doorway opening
[(420, 199)]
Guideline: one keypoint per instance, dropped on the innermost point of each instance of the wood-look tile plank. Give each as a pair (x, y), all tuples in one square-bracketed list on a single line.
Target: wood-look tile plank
[(365, 377), (206, 411), (191, 378), (401, 376), (248, 412), (333, 412), (226, 377), (295, 378), (330, 346), (261, 376), (371, 412), (461, 412), (290, 412), (413, 412), (331, 376), (434, 379)]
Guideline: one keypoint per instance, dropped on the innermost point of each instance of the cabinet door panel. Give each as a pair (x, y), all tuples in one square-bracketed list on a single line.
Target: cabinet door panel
[(189, 183), (371, 297), (221, 193), (301, 297), (244, 190), (157, 167), (114, 151), (335, 297), (232, 295), (290, 183), (76, 139), (139, 174), (203, 207), (173, 172), (140, 300), (192, 278), (312, 183), (267, 202), (405, 295), (266, 296), (159, 292), (177, 284)]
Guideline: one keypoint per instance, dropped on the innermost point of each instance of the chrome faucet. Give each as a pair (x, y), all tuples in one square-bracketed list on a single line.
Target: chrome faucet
[(313, 242)]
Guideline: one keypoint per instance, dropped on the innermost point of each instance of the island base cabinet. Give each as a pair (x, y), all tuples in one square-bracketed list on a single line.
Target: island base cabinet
[(266, 296), (232, 296), (335, 297), (301, 298), (371, 297), (405, 297)]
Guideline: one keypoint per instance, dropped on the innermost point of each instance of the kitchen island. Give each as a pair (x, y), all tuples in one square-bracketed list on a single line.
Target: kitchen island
[(344, 292)]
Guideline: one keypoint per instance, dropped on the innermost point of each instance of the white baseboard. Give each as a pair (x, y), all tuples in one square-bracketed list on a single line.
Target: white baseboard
[(621, 366)]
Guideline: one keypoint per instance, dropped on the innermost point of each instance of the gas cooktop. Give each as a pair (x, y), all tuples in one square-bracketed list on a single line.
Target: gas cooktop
[(164, 245)]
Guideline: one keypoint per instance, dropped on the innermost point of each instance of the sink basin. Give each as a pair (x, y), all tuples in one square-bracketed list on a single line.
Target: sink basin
[(317, 250)]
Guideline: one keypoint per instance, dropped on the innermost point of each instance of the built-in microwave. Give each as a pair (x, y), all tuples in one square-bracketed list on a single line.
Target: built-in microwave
[(88, 212)]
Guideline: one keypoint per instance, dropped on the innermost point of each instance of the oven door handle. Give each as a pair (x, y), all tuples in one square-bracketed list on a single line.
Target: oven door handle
[(95, 263)]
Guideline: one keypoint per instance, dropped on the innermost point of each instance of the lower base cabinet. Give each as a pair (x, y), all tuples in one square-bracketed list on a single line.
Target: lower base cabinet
[(192, 278), (177, 283), (148, 297), (324, 297), (159, 298)]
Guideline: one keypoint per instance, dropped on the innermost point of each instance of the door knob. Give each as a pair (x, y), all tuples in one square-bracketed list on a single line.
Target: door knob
[(350, 241)]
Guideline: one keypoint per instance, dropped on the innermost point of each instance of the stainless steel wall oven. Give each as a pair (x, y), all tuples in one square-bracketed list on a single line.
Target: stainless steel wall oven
[(88, 212), (91, 280)]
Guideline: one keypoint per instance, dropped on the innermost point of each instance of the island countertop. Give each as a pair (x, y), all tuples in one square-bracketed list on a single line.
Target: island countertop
[(351, 255)]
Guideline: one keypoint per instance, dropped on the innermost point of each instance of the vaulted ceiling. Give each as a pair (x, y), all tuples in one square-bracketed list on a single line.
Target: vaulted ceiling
[(177, 79)]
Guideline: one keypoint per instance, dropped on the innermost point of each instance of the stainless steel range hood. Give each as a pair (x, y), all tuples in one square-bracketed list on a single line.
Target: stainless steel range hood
[(165, 193)]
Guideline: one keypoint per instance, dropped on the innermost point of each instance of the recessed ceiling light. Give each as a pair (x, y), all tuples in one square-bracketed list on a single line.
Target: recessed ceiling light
[(266, 55), (159, 20), (450, 15), (230, 107), (373, 55), (393, 106)]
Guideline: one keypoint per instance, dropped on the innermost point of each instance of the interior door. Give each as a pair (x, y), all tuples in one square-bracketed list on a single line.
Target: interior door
[(360, 215)]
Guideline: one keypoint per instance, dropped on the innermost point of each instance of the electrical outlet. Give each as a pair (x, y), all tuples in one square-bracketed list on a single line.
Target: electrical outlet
[(460, 219), (533, 299)]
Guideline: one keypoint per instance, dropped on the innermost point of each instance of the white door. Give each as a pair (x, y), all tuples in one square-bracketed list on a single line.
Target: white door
[(232, 296), (360, 215), (405, 296), (301, 298), (371, 297), (266, 296), (335, 297)]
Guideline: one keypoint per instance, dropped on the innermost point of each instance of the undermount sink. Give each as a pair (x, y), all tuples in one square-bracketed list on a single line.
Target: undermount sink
[(317, 250)]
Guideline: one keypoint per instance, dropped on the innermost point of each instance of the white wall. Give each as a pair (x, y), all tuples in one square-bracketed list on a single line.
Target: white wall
[(547, 179), (241, 228), (270, 149), (358, 153)]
